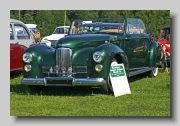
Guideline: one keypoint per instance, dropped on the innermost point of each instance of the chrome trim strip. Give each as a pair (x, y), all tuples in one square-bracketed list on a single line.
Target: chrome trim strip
[(75, 81), (88, 81), (63, 45), (79, 69), (33, 81)]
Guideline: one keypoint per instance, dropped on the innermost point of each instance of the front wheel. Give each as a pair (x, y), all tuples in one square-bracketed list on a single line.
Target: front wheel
[(107, 88)]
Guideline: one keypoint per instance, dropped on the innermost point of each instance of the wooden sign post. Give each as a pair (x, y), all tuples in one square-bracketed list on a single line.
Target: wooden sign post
[(119, 80)]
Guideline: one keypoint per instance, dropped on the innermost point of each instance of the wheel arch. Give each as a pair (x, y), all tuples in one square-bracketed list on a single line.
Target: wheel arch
[(110, 51), (154, 54)]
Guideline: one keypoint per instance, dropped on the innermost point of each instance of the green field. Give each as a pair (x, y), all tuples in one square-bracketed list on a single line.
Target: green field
[(149, 97)]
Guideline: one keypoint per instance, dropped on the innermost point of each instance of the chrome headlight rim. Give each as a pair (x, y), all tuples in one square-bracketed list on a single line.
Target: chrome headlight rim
[(98, 56), (27, 57)]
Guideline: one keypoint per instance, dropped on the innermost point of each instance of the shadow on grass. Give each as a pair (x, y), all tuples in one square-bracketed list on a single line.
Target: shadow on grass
[(138, 77), (56, 91), (65, 91), (15, 74)]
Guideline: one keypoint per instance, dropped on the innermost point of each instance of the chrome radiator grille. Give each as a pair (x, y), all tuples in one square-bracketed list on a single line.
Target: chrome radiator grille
[(63, 58)]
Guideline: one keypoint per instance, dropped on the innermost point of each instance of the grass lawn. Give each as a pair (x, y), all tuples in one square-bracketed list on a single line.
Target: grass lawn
[(149, 97)]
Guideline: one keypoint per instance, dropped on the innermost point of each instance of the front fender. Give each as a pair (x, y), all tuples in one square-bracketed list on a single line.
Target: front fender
[(80, 56), (110, 51), (154, 54), (37, 60)]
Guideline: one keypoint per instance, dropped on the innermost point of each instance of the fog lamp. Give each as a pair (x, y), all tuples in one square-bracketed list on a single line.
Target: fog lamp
[(98, 67), (27, 68)]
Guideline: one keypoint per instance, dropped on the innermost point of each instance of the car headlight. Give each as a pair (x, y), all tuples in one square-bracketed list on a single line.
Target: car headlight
[(27, 57), (98, 56)]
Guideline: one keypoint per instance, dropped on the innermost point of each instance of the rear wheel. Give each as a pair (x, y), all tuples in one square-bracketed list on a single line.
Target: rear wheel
[(107, 88), (154, 72)]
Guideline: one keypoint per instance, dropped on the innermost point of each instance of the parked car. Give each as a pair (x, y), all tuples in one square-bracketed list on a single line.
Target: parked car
[(162, 35), (20, 39), (162, 40), (19, 33), (16, 52), (35, 30), (85, 55), (58, 33)]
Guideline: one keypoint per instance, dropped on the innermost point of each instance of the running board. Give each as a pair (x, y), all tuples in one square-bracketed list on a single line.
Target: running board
[(140, 71)]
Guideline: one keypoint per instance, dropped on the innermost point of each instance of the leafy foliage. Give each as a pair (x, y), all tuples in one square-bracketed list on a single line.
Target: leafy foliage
[(47, 20)]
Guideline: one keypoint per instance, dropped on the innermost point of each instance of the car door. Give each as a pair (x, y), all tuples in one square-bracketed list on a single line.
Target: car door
[(21, 34), (135, 47)]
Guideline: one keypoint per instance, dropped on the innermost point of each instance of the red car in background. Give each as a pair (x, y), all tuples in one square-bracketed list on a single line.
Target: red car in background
[(162, 39), (163, 33), (16, 52), (20, 39)]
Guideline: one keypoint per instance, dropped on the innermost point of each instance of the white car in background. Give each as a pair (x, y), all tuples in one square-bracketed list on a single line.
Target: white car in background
[(19, 33), (58, 33)]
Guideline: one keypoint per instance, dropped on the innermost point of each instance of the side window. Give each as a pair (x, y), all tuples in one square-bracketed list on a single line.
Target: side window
[(21, 32), (11, 33), (135, 26), (141, 26), (61, 31), (165, 32)]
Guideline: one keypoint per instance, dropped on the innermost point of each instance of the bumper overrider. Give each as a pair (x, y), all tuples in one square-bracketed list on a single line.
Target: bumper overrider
[(63, 81)]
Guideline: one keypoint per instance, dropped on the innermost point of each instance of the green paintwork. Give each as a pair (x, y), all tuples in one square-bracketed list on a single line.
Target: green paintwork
[(133, 50), (154, 54), (84, 40), (109, 50), (37, 62)]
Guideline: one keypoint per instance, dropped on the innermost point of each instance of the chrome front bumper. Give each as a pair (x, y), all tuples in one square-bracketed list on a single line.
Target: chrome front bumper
[(63, 81)]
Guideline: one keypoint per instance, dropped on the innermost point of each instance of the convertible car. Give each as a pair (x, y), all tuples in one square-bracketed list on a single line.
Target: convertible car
[(85, 55)]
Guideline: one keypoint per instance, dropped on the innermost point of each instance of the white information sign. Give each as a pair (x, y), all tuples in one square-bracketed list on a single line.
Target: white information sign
[(119, 80)]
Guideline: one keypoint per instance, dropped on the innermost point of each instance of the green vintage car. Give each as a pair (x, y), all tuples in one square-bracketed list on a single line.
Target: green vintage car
[(84, 56)]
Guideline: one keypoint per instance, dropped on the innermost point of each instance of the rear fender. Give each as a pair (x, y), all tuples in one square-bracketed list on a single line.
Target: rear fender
[(154, 54)]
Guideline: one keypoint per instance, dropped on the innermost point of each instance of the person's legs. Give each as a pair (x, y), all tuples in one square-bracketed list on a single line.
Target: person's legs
[(164, 59)]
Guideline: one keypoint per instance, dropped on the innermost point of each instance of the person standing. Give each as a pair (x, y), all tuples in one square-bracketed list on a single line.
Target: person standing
[(166, 51)]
